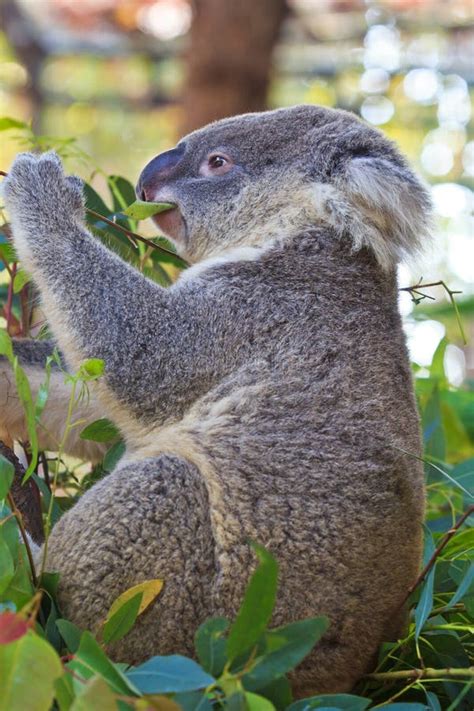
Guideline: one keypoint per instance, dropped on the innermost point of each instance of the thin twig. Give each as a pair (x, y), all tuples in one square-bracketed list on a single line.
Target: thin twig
[(427, 673), (133, 236), (442, 544), (412, 290)]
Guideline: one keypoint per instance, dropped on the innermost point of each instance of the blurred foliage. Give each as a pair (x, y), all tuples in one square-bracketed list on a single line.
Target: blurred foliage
[(242, 665)]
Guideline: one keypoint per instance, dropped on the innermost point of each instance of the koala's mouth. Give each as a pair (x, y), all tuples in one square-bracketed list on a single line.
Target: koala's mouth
[(172, 224)]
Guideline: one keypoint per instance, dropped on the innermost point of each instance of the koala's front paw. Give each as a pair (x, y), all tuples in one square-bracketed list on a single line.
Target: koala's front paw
[(39, 196)]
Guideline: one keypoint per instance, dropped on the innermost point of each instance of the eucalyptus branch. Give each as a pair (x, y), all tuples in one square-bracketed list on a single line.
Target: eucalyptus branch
[(418, 296), (132, 236), (427, 673), (442, 544)]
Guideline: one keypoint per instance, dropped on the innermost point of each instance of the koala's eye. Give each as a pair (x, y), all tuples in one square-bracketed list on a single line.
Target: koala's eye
[(215, 164)]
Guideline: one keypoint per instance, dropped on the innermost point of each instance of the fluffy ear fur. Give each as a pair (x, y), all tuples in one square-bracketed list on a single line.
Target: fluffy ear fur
[(381, 205)]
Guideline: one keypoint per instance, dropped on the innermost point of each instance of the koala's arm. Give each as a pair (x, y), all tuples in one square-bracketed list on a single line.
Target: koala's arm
[(97, 305), (32, 357)]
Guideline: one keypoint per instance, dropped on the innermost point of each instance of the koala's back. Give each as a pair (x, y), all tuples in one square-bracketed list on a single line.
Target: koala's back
[(300, 446)]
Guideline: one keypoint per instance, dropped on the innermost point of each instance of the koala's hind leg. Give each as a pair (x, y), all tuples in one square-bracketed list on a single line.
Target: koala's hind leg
[(146, 520)]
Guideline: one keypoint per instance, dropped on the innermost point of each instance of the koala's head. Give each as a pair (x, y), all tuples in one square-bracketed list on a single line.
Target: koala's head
[(251, 179)]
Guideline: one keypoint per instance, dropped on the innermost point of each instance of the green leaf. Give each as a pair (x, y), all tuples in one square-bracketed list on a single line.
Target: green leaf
[(425, 603), (93, 658), (164, 675), (279, 693), (7, 471), (257, 606), (437, 363), (288, 646), (122, 621), (7, 253), (29, 668), (347, 702), (432, 701), (433, 432), (92, 368), (7, 568), (464, 587), (210, 645), (102, 430), (21, 279), (114, 455), (6, 347), (20, 589), (258, 703), (70, 634), (123, 192), (64, 692), (24, 393), (193, 701), (9, 531), (140, 210), (404, 706), (461, 545), (96, 696), (7, 123)]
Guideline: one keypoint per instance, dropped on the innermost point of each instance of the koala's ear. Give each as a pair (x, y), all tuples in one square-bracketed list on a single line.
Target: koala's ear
[(381, 205)]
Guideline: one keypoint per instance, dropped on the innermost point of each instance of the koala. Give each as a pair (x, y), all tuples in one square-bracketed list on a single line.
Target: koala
[(266, 395)]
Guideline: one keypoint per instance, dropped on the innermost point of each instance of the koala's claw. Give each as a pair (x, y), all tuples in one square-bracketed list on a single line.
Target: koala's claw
[(36, 188)]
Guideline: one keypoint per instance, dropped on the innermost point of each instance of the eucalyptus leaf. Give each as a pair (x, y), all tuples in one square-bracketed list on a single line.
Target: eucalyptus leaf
[(7, 472), (345, 702), (29, 668), (289, 645), (122, 621), (257, 606), (210, 644), (102, 430), (164, 675), (140, 210), (425, 603)]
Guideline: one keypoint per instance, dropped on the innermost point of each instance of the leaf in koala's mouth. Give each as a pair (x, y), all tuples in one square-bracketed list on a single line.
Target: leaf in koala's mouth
[(140, 210)]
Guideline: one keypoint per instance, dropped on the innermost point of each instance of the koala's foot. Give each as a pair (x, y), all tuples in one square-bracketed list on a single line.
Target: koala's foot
[(149, 519), (42, 202)]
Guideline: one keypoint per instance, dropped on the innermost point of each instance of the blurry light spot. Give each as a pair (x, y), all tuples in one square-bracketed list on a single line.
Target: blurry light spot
[(426, 49), (468, 158), (81, 118), (451, 199), (377, 109), (166, 19), (454, 106), (421, 85), (405, 303), (454, 365), (437, 158), (461, 251), (374, 81), (382, 48), (13, 74), (423, 339)]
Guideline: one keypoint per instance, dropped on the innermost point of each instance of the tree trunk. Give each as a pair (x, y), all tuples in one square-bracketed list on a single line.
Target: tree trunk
[(229, 58), (29, 52)]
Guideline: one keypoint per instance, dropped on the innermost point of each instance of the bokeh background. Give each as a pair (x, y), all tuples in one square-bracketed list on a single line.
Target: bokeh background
[(126, 78)]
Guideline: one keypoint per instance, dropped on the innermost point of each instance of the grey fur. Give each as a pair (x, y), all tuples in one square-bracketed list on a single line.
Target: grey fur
[(265, 398)]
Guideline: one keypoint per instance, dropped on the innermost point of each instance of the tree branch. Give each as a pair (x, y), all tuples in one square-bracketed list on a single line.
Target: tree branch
[(442, 544), (418, 296), (427, 673)]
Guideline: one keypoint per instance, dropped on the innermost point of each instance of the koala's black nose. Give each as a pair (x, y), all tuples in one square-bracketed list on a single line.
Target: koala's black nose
[(156, 171)]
